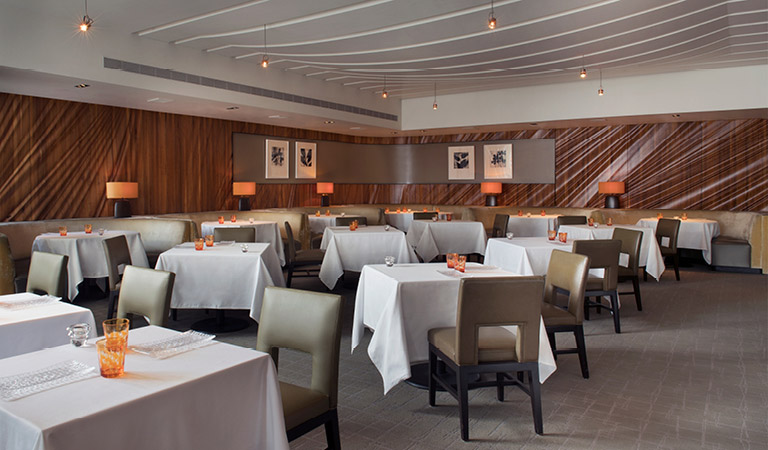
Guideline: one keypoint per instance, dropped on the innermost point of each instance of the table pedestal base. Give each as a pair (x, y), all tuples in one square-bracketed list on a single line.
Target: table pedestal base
[(220, 324)]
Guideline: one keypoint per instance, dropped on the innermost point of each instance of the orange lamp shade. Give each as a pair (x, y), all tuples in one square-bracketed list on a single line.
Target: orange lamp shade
[(490, 188), (325, 188), (244, 188), (610, 187), (122, 189)]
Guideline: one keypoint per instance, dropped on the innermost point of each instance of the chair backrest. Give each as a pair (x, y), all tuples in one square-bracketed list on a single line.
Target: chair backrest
[(290, 255), (345, 221), (48, 274), (146, 292), (421, 215), (603, 254), (7, 267), (116, 249), (500, 225), (244, 234), (668, 228), (630, 244), (497, 302), (571, 220), (306, 321), (567, 271)]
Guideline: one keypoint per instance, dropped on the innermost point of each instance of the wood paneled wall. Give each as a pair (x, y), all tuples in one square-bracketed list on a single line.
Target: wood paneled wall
[(57, 155)]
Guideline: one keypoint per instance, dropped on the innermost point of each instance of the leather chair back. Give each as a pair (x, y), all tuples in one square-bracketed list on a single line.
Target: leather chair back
[(603, 254), (567, 271), (290, 254), (499, 302), (500, 225), (306, 321), (116, 249), (7, 267), (146, 292), (667, 228), (571, 220), (345, 221), (630, 244), (48, 274), (424, 215), (244, 234)]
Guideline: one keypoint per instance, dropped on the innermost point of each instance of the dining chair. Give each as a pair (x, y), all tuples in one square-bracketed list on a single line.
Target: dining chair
[(631, 240), (480, 344), (48, 274), (567, 273), (500, 223), (307, 261), (571, 220), (666, 235), (242, 234), (118, 257), (309, 322), (345, 221), (603, 254), (7, 267), (146, 292), (422, 215)]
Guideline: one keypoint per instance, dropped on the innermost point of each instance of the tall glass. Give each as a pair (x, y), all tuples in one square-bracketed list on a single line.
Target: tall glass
[(461, 263), (111, 357), (209, 240), (116, 329)]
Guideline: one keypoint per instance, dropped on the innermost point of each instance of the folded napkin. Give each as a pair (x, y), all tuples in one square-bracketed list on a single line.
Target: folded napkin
[(21, 385), (174, 345)]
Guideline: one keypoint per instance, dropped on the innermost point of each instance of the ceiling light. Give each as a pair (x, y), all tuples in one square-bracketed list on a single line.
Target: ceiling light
[(232, 108), (277, 116), (583, 73), (355, 128), (600, 91), (87, 22), (384, 93), (434, 103), (491, 18), (675, 115), (265, 58), (328, 122), (82, 85)]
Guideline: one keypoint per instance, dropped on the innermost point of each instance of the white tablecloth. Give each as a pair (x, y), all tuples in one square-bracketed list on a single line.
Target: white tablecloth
[(265, 232), (650, 254), (351, 250), (534, 226), (695, 234), (38, 327), (402, 303), (215, 397), (86, 253), (526, 256), (222, 276), (318, 224), (402, 220), (430, 239)]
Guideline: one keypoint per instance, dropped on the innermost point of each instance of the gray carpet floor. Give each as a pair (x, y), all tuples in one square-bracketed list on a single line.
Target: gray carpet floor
[(689, 371)]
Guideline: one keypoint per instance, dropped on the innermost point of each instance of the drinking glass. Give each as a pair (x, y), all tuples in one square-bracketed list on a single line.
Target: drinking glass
[(88, 228), (78, 333), (520, 213), (510, 235), (111, 357), (221, 219), (209, 240), (450, 259), (543, 213), (199, 244), (563, 237), (685, 216), (389, 261), (233, 218), (609, 222), (461, 263), (62, 231), (551, 234), (591, 222), (449, 217), (116, 329), (101, 231)]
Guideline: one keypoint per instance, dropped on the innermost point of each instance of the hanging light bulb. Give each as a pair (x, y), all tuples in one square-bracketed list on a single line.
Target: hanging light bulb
[(434, 103), (384, 93), (600, 91), (265, 58), (491, 18), (583, 73), (86, 23)]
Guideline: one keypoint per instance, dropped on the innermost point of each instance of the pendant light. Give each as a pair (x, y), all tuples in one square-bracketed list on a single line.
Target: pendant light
[(434, 103), (600, 91), (265, 58), (86, 23), (583, 73), (491, 19), (384, 93)]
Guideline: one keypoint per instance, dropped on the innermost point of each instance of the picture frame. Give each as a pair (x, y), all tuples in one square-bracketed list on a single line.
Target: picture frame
[(306, 159), (276, 153), (461, 163), (497, 161)]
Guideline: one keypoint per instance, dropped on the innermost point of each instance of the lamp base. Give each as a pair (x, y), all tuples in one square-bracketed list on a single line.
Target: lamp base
[(490, 200), (244, 204), (325, 201), (122, 209), (612, 202)]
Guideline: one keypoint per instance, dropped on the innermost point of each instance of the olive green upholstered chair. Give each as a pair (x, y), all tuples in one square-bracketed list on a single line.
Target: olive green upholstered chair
[(146, 292), (631, 240), (118, 257), (603, 254), (309, 322), (7, 267), (567, 274), (424, 215), (666, 235), (48, 274), (500, 223), (345, 221), (306, 261), (479, 343), (244, 234)]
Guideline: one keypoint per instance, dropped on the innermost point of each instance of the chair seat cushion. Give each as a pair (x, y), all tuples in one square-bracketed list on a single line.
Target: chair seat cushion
[(308, 257), (494, 343), (554, 316), (301, 404)]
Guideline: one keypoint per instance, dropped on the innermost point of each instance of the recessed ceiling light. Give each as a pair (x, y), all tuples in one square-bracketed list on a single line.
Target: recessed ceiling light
[(232, 108), (423, 131), (277, 116), (675, 115), (328, 122), (355, 128), (82, 85), (533, 124), (159, 100), (394, 132)]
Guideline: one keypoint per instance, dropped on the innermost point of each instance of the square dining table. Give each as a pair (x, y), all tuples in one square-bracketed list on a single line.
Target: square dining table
[(219, 396), (696, 234), (432, 238), (402, 220), (318, 224), (266, 231), (533, 225), (403, 302)]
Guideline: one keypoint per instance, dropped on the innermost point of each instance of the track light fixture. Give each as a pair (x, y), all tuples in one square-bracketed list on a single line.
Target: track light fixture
[(265, 58), (434, 102), (86, 23), (384, 93), (491, 18), (583, 73), (600, 91)]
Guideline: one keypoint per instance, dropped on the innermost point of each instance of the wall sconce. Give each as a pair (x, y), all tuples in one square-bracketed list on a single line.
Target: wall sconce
[(324, 189), (612, 188), (122, 190), (491, 189), (243, 189)]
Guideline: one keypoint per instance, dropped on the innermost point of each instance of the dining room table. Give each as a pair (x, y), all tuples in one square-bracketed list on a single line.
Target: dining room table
[(400, 304), (695, 234), (402, 220), (31, 322), (266, 231), (531, 225), (318, 223), (432, 238), (213, 396), (87, 258), (352, 250)]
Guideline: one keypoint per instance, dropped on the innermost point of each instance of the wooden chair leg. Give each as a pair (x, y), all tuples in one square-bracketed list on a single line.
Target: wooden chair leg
[(431, 381), (636, 288), (332, 432), (462, 386), (581, 347), (535, 388), (615, 311), (500, 387)]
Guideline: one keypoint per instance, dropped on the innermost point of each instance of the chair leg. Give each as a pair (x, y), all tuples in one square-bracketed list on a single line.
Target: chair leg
[(615, 311), (645, 275), (111, 307), (535, 388), (586, 308), (581, 347), (431, 380), (677, 266), (332, 432), (552, 343), (174, 314), (463, 388), (500, 387), (288, 278), (636, 288)]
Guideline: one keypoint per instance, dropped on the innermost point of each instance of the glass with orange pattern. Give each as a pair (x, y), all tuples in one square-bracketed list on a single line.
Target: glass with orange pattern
[(221, 219), (209, 240), (62, 231), (519, 213), (317, 213), (88, 228), (116, 329), (563, 237), (111, 357), (685, 216), (449, 216), (233, 219), (461, 263), (591, 222), (609, 222), (327, 212), (551, 234), (543, 213), (659, 216), (450, 260), (199, 243)]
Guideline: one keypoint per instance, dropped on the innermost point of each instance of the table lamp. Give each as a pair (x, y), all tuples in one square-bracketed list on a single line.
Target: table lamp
[(612, 188), (491, 189), (324, 189), (243, 189), (122, 190)]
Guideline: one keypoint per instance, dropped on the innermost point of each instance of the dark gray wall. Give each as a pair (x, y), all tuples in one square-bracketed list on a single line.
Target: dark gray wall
[(533, 162)]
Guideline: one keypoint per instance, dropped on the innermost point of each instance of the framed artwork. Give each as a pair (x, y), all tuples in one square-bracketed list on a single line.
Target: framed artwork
[(498, 161), (277, 159), (461, 163), (306, 159)]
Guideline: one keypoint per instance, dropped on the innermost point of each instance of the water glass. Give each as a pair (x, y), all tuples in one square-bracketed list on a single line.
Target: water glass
[(510, 235), (209, 240), (116, 329), (563, 237), (88, 228), (199, 243), (101, 231), (111, 357), (221, 219), (62, 231), (389, 261), (461, 263), (78, 333), (551, 234), (450, 260)]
